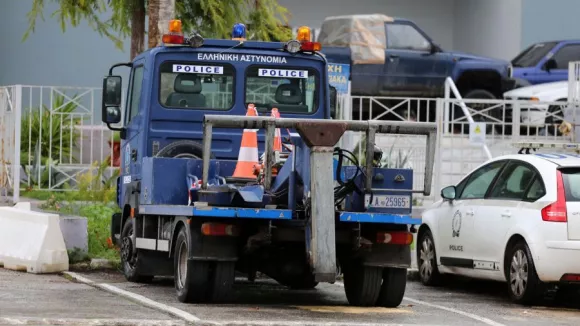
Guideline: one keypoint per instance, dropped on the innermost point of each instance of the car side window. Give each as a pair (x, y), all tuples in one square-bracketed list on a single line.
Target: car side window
[(513, 182), (135, 97), (405, 37), (478, 183), (536, 190), (567, 54)]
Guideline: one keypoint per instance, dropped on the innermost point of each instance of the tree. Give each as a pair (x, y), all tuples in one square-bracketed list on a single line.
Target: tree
[(210, 18)]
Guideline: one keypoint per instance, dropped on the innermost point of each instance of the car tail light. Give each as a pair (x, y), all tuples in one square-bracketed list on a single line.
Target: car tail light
[(556, 212), (570, 278), (397, 238)]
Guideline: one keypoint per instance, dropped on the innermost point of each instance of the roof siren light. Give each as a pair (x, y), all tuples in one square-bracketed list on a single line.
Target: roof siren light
[(175, 35), (239, 32), (304, 36)]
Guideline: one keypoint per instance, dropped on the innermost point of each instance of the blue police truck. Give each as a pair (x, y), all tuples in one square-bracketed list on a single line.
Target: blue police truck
[(310, 208)]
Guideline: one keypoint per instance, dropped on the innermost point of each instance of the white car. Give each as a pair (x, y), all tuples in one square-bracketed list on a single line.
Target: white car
[(515, 219), (545, 111)]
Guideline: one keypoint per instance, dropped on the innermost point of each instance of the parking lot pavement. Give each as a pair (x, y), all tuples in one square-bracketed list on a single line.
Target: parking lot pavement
[(28, 299), (264, 302)]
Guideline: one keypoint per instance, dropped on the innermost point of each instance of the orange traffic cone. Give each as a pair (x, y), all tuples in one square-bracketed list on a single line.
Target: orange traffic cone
[(248, 156), (278, 134)]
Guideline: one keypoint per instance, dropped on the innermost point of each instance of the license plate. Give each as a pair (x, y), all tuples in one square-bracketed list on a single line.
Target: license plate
[(388, 201)]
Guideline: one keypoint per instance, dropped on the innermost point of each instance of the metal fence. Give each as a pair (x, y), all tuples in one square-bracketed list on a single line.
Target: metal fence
[(52, 135), (60, 134), (506, 121), (9, 160)]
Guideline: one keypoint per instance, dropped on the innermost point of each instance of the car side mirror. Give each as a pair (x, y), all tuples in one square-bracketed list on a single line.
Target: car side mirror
[(550, 64), (111, 106), (448, 193), (435, 48), (333, 101)]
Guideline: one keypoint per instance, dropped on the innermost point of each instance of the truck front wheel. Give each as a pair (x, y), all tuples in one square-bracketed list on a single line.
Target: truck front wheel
[(131, 261), (191, 277)]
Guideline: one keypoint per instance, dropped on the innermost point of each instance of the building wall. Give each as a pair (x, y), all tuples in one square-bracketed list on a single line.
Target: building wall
[(78, 57), (489, 28), (544, 20), (435, 17)]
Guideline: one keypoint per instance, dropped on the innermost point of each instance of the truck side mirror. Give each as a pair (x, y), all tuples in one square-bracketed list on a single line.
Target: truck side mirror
[(435, 48), (111, 107), (550, 64), (333, 100)]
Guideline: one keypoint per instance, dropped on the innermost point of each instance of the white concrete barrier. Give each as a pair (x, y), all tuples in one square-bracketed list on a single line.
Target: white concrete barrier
[(31, 241)]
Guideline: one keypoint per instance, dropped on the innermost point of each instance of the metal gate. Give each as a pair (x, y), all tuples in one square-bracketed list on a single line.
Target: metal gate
[(10, 98)]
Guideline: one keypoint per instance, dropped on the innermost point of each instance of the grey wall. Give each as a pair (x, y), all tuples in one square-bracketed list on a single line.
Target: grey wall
[(79, 57), (545, 20), (435, 17), (489, 28)]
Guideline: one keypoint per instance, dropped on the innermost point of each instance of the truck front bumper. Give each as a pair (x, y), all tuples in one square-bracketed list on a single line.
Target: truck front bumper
[(507, 84)]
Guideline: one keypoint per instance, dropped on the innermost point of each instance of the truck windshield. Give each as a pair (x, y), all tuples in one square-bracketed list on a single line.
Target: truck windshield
[(290, 90), (533, 54), (191, 85)]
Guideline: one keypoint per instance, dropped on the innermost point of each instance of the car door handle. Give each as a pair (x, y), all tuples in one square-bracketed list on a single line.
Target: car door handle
[(469, 212), (506, 213), (394, 56)]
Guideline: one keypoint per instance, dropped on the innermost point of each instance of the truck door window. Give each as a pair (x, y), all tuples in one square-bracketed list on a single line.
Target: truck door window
[(533, 54), (405, 37), (191, 85), (135, 97), (567, 54), (291, 90)]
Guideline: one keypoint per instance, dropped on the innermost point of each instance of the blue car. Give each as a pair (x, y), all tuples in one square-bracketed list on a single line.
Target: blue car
[(545, 62)]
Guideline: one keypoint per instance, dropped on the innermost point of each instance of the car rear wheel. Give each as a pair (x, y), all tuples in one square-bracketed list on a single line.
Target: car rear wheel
[(524, 286)]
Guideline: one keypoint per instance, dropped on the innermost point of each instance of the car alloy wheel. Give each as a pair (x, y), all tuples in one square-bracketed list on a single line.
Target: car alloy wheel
[(519, 273)]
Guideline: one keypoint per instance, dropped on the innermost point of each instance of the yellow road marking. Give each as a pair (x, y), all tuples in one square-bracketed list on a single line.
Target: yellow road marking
[(353, 310)]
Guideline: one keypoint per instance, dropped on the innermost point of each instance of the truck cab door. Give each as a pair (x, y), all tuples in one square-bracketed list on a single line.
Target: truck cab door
[(134, 124), (555, 66), (409, 62)]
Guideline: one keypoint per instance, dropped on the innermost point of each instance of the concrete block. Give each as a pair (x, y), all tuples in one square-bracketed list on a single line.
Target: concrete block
[(75, 233), (31, 241)]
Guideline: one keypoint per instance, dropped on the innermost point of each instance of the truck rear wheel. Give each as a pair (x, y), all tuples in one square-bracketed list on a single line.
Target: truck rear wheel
[(191, 277), (393, 288), (362, 284), (131, 261)]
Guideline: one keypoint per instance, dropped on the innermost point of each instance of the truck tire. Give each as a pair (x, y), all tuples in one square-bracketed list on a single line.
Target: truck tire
[(129, 261), (191, 277), (223, 275), (393, 287), (183, 149), (362, 284)]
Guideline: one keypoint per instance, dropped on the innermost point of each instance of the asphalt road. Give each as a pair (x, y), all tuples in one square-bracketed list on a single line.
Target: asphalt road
[(57, 300)]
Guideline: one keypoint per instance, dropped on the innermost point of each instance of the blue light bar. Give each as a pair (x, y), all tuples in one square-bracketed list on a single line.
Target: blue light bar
[(239, 32)]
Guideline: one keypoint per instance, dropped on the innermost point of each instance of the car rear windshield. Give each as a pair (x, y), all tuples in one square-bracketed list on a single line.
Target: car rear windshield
[(533, 54), (571, 178), (192, 85), (290, 90)]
